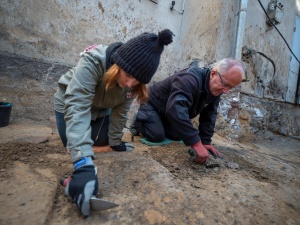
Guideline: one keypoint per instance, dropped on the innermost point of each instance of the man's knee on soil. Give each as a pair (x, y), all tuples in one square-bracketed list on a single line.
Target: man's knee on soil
[(155, 136)]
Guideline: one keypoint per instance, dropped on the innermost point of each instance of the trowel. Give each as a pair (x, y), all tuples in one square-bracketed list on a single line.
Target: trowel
[(97, 204)]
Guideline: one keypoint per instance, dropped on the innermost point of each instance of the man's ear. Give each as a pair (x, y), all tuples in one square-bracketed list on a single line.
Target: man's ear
[(212, 73)]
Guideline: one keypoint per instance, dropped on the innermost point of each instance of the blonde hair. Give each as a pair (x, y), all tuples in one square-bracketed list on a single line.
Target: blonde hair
[(140, 91)]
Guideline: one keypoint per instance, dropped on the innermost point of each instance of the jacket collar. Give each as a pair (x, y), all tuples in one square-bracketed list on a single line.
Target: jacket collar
[(207, 78), (110, 51)]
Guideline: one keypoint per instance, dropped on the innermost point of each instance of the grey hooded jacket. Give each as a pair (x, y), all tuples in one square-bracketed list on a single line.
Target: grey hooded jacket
[(82, 97)]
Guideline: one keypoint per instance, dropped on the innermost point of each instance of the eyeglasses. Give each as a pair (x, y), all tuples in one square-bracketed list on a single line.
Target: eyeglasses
[(223, 82)]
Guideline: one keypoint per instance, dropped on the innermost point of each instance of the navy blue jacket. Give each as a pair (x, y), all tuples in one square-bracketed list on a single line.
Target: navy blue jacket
[(180, 98)]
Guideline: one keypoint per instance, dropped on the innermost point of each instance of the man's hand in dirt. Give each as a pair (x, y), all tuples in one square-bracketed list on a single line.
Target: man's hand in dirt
[(213, 151), (83, 184), (202, 153)]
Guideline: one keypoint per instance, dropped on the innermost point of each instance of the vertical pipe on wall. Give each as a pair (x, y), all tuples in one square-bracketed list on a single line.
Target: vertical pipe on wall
[(183, 6), (240, 29)]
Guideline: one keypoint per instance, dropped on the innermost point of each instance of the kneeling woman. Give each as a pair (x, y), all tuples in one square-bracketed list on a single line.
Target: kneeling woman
[(93, 99)]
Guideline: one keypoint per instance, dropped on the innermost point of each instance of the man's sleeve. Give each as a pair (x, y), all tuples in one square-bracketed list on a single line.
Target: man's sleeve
[(117, 122), (207, 121)]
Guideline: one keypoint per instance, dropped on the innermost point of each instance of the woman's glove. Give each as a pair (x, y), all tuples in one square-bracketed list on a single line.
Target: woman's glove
[(123, 147), (83, 185)]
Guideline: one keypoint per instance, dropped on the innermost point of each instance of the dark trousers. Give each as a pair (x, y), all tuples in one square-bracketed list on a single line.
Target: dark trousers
[(99, 129), (153, 126)]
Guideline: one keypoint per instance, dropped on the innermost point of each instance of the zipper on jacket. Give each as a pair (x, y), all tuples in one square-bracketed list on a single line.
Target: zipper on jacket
[(100, 129)]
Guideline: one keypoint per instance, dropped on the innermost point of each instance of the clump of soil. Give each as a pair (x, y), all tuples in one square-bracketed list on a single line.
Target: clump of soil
[(34, 155)]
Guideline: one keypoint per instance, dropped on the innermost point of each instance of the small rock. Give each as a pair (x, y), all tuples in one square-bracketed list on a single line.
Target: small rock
[(232, 165), (214, 162), (216, 169)]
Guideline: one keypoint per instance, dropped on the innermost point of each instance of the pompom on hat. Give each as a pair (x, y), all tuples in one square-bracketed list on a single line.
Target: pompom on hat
[(140, 56)]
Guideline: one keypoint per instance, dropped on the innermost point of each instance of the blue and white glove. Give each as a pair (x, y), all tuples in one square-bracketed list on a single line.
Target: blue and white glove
[(83, 184)]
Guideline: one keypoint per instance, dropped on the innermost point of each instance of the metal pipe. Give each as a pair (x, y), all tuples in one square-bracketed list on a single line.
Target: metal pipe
[(183, 6), (297, 95), (240, 29)]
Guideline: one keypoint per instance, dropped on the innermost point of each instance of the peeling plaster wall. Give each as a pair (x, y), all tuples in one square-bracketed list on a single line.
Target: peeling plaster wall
[(209, 30), (260, 36), (227, 30), (58, 30), (265, 92), (49, 35), (29, 85), (199, 31), (46, 33)]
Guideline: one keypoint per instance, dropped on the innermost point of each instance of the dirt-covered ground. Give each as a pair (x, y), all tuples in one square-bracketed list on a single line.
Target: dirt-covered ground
[(256, 182)]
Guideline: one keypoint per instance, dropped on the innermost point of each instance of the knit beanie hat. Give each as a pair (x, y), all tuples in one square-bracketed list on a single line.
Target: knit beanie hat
[(140, 56)]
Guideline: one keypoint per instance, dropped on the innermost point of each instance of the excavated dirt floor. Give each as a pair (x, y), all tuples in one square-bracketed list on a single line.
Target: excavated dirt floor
[(255, 183)]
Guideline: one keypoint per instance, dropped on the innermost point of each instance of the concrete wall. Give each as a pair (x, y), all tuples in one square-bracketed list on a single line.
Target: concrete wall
[(265, 39), (49, 35), (199, 33), (37, 36), (264, 97), (29, 84), (58, 30), (209, 30)]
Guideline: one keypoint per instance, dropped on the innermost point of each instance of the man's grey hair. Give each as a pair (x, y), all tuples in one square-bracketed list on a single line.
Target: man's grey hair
[(225, 64)]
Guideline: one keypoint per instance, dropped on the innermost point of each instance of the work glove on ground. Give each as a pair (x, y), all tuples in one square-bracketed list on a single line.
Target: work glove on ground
[(213, 151), (83, 184), (201, 155), (123, 147)]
